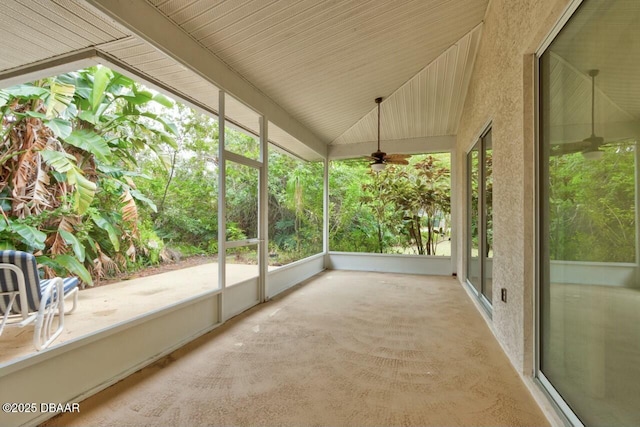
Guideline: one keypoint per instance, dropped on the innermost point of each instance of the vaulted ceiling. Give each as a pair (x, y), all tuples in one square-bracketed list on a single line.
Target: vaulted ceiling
[(313, 67), (602, 36)]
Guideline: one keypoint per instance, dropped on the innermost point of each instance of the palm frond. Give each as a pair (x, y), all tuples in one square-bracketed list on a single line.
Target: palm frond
[(129, 209), (59, 99)]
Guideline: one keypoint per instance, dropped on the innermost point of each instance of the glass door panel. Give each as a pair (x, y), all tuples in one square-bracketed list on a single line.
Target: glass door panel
[(473, 244), (589, 211), (242, 144), (480, 218), (488, 218), (242, 207), (241, 201), (242, 129), (243, 166)]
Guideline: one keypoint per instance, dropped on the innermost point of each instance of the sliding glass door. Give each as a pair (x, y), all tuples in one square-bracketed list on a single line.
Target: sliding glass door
[(480, 218), (474, 270), (589, 287)]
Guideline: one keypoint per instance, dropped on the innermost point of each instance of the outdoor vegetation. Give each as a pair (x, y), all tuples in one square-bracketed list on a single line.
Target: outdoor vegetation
[(592, 206), (475, 157), (403, 209), (100, 175)]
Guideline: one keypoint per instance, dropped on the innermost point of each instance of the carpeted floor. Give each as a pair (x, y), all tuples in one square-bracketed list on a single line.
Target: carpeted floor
[(342, 349)]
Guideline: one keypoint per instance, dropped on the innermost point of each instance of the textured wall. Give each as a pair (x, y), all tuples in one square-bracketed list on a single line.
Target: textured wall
[(502, 91)]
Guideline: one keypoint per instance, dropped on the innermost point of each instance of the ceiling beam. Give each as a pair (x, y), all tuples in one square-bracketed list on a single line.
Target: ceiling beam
[(430, 144), (49, 67), (151, 25)]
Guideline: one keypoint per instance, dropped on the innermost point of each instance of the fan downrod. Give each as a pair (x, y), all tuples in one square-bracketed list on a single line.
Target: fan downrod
[(380, 158)]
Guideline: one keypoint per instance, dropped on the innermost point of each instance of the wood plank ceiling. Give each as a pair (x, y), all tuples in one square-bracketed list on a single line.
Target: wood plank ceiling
[(328, 61), (35, 30), (324, 62)]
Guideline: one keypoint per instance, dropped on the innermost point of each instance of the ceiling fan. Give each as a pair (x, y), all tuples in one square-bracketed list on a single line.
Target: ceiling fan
[(379, 159), (589, 147)]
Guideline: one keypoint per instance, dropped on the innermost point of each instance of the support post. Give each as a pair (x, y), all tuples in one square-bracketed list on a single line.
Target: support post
[(222, 220), (263, 209), (325, 213)]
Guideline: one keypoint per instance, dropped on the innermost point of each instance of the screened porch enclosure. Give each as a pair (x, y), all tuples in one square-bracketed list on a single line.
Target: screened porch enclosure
[(234, 166), (155, 315), (534, 105)]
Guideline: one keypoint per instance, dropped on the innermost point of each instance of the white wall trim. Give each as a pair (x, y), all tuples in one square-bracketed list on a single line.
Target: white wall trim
[(36, 421), (564, 17), (594, 273), (49, 67), (289, 275), (68, 373), (241, 296), (60, 349), (391, 263)]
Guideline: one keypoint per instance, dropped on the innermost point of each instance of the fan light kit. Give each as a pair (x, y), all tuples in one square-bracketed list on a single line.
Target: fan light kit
[(593, 154), (380, 159), (378, 166)]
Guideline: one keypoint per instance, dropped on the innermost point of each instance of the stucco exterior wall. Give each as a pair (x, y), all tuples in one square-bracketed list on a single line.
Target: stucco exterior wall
[(501, 91)]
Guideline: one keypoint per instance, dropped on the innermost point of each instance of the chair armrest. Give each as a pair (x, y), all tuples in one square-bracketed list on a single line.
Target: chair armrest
[(51, 304), (22, 288)]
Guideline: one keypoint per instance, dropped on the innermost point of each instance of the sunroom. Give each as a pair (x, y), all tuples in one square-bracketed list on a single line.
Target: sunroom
[(536, 105)]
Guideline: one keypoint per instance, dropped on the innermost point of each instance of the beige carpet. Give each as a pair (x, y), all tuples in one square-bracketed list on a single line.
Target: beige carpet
[(342, 349)]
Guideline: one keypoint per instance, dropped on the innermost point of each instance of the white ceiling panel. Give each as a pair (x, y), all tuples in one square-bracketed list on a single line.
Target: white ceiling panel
[(429, 104), (315, 65), (325, 61), (36, 30)]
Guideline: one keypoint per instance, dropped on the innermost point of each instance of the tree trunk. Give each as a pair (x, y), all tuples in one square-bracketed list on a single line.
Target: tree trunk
[(380, 236), (415, 225), (166, 187)]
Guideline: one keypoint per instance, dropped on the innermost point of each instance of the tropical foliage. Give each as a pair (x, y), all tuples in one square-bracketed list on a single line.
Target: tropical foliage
[(295, 207), (68, 149), (403, 209), (185, 188)]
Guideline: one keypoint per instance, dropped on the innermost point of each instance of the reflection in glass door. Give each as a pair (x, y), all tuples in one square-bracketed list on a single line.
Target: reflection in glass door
[(242, 209), (589, 209), (487, 199), (473, 256), (480, 218)]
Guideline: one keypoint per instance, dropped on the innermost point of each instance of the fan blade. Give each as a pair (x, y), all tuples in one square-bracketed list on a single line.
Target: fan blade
[(397, 161), (569, 148), (397, 156), (589, 144)]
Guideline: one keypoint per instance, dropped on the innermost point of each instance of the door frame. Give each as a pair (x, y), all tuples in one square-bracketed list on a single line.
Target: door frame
[(250, 292)]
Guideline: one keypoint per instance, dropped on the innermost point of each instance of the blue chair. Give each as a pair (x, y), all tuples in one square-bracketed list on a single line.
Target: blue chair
[(24, 298)]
